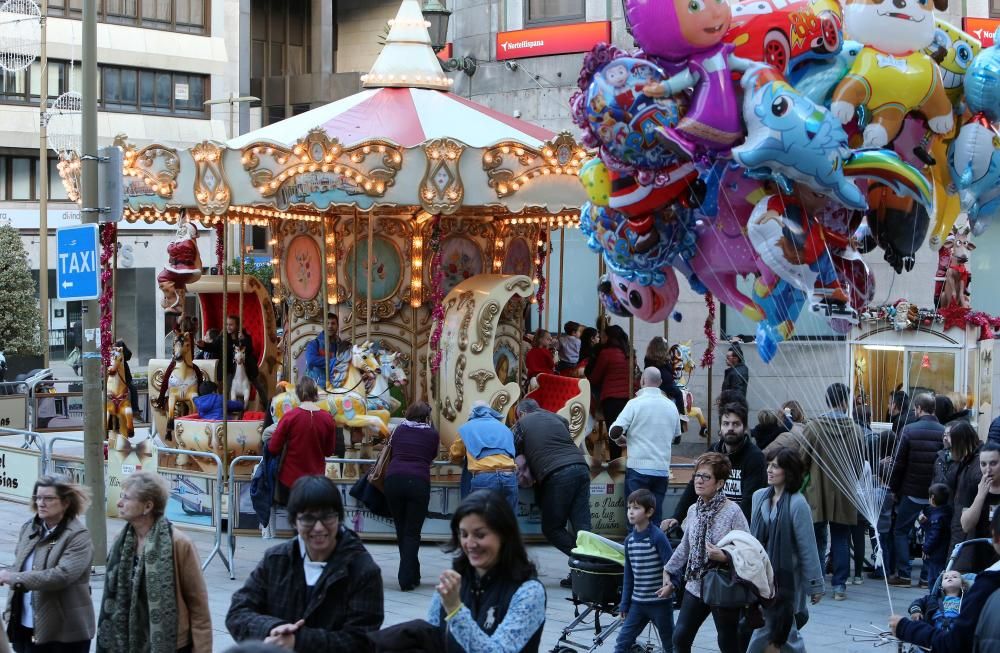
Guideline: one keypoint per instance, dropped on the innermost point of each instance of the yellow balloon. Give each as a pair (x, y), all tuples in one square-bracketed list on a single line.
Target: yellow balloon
[(596, 181), (946, 206)]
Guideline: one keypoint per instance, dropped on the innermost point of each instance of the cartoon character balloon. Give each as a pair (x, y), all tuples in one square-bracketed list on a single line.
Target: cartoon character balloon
[(648, 303), (685, 36)]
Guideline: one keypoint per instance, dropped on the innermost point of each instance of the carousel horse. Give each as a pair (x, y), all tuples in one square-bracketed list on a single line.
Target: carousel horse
[(119, 406), (683, 363), (390, 374), (182, 386), (348, 404), (239, 388)]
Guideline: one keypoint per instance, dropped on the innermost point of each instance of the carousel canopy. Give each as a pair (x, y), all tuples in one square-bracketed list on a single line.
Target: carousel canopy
[(405, 116)]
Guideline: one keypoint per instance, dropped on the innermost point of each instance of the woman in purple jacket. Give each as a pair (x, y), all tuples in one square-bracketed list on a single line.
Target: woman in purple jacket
[(415, 445)]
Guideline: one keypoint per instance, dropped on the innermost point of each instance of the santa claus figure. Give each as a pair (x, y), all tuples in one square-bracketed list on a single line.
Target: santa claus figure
[(184, 267)]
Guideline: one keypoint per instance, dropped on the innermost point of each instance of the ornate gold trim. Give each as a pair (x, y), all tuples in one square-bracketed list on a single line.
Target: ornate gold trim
[(467, 299), (211, 189), (317, 152), (482, 377), (448, 411), (441, 189), (142, 163), (560, 156), (460, 382), (518, 284), (485, 325), (500, 401), (577, 418)]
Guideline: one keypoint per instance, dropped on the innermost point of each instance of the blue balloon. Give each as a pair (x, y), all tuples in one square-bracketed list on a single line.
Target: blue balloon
[(982, 84)]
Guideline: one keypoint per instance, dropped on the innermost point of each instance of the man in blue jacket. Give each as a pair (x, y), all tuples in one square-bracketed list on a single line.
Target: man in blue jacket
[(487, 446), (962, 636), (338, 359)]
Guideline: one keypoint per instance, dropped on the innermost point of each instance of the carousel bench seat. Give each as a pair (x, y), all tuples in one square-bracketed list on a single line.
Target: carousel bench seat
[(248, 416), (244, 435), (566, 396)]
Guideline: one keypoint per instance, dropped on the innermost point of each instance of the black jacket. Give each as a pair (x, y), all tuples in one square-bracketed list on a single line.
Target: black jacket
[(916, 452), (749, 475), (994, 432), (544, 439), (987, 639), (960, 638), (214, 348), (736, 379), (339, 611)]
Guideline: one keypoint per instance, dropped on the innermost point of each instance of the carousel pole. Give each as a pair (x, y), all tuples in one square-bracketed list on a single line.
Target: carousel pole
[(354, 278), (326, 311), (562, 252), (114, 290), (225, 337), (368, 292), (243, 259), (548, 273)]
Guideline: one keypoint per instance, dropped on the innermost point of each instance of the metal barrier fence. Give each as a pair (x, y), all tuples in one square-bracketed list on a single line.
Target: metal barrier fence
[(216, 501)]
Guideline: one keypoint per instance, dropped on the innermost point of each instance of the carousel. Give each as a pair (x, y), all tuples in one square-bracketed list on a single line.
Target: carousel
[(409, 230)]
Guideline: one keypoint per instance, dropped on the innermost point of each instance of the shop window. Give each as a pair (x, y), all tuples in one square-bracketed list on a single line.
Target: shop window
[(173, 15), (21, 186), (57, 191), (541, 12)]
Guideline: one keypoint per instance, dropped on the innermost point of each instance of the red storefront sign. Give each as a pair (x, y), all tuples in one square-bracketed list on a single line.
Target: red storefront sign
[(982, 28), (558, 39), (446, 52)]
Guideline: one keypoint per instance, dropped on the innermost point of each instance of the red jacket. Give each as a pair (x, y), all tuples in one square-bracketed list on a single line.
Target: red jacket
[(311, 437), (610, 373), (539, 361)]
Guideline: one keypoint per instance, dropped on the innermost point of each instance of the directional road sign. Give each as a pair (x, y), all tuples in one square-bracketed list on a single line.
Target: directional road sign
[(78, 275)]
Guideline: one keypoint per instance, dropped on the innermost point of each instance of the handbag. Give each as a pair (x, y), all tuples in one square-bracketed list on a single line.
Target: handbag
[(721, 588), (377, 473), (369, 495)]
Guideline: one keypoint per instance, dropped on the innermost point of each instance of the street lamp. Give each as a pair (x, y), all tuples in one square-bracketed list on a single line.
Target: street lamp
[(437, 15)]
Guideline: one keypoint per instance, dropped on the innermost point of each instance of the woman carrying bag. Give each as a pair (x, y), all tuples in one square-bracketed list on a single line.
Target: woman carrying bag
[(708, 521)]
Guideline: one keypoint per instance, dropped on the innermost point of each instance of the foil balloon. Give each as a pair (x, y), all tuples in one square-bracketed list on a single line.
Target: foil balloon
[(782, 304), (818, 79), (974, 158), (624, 105), (897, 224), (892, 75), (954, 50), (596, 180), (633, 198), (686, 37), (647, 303), (982, 84), (859, 283), (608, 299), (790, 138), (636, 253)]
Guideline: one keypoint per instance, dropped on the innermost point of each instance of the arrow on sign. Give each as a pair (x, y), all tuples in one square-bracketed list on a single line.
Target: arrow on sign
[(67, 284)]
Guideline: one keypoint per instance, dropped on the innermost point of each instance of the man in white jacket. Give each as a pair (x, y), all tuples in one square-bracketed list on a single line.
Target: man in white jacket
[(647, 426)]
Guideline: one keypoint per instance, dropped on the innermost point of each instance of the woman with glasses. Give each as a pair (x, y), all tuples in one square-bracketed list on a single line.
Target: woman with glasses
[(491, 599), (708, 521), (320, 591), (782, 521), (154, 594), (48, 605)]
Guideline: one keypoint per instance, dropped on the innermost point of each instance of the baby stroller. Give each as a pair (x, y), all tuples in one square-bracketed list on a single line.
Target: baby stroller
[(597, 570)]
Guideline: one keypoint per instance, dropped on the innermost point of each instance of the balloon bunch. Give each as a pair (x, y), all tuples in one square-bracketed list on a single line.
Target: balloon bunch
[(754, 151)]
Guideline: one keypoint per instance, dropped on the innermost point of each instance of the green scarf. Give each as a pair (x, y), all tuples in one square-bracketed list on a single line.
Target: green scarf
[(139, 608)]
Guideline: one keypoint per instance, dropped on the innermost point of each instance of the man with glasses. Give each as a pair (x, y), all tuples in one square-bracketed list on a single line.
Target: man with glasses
[(333, 603)]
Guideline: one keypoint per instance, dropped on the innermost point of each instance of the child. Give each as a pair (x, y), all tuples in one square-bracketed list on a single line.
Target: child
[(937, 530), (942, 607), (569, 346), (210, 338), (647, 550), (209, 402)]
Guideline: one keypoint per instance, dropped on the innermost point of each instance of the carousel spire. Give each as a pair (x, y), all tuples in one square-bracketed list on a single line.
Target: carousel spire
[(407, 59)]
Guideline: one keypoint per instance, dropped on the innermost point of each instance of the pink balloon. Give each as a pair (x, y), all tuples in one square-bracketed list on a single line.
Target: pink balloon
[(648, 303)]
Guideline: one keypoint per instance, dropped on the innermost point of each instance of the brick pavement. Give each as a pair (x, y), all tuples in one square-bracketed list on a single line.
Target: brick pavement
[(825, 630)]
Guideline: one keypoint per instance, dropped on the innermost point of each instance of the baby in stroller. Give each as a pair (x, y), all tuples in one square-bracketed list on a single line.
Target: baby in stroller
[(942, 604)]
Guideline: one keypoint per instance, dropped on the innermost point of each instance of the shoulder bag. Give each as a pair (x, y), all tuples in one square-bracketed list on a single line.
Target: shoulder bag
[(377, 473), (721, 588)]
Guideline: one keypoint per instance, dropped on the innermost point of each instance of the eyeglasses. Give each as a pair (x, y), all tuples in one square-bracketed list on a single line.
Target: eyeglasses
[(308, 520), (703, 477), (44, 500)]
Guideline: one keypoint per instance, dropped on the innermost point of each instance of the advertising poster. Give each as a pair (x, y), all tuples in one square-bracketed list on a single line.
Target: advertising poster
[(18, 473), (13, 411), (190, 501), (124, 458)]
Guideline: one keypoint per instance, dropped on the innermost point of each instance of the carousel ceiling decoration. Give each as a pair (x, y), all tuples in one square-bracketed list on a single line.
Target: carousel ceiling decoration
[(211, 190), (561, 156), (272, 167), (153, 168), (408, 58), (441, 190)]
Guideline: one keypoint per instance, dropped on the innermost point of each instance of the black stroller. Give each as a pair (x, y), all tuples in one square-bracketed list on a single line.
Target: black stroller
[(597, 570)]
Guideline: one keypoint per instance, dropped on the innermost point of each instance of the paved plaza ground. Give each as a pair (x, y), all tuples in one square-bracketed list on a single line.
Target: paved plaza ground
[(825, 631)]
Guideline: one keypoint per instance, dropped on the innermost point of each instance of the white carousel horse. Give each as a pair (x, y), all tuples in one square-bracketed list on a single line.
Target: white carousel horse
[(182, 386), (348, 404), (390, 374), (239, 388), (684, 365), (119, 407)]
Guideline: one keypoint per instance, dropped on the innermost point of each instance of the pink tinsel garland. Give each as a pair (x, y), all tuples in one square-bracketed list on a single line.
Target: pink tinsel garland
[(220, 246), (708, 358), (437, 295), (109, 240), (542, 281)]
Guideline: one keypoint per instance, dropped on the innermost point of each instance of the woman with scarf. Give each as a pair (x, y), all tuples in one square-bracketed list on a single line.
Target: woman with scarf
[(48, 607), (708, 521), (490, 601), (415, 445), (782, 521), (154, 594)]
